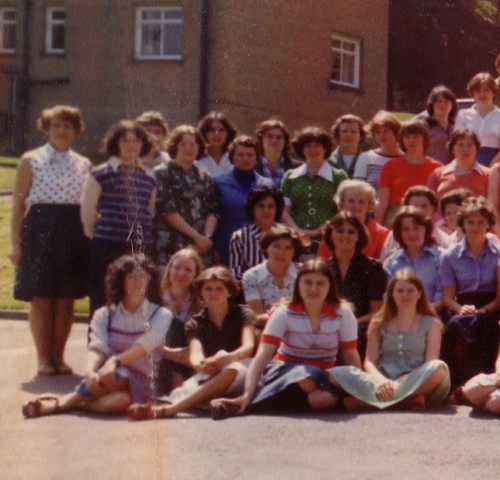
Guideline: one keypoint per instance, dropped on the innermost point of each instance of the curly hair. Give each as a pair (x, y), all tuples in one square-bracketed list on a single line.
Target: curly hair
[(176, 138), (260, 193), (338, 221), (278, 232), (309, 135), (418, 218), (66, 113), (118, 131)]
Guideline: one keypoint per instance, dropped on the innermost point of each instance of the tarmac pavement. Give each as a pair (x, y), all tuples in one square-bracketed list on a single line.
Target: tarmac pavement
[(446, 443)]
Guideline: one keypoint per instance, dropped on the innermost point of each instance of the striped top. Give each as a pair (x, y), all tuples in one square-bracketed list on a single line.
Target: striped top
[(124, 204), (244, 250), (289, 329)]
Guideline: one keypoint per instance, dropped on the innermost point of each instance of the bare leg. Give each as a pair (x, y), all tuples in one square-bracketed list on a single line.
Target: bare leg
[(318, 399), (429, 386), (492, 405), (63, 320), (115, 403), (41, 325), (214, 387)]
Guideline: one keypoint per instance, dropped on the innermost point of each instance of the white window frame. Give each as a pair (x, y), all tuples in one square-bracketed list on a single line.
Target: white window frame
[(347, 54), (163, 22), (7, 23), (50, 23)]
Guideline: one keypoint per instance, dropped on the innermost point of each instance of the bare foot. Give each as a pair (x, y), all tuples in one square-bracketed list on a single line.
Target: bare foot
[(42, 406)]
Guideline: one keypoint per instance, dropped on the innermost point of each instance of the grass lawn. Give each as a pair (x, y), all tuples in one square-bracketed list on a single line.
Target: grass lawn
[(7, 173), (7, 269)]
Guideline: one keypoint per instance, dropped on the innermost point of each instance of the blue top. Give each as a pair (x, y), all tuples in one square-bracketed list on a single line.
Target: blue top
[(426, 265), (232, 191), (460, 269)]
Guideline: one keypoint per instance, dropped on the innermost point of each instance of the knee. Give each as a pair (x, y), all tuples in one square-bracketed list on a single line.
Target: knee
[(308, 385), (321, 400), (492, 405)]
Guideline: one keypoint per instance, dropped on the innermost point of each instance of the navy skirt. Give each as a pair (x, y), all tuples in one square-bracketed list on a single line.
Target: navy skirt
[(54, 254)]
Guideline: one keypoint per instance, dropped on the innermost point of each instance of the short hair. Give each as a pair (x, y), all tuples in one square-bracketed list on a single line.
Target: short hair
[(416, 127), (359, 185), (176, 138), (460, 134), (317, 265), (118, 270), (118, 131), (418, 218), (312, 134), (244, 141), (205, 124), (479, 205), (420, 191), (455, 196), (189, 253), (260, 193), (389, 308), (281, 231), (153, 118), (447, 94), (222, 274), (66, 113), (480, 79), (271, 124), (337, 221), (348, 118), (384, 119)]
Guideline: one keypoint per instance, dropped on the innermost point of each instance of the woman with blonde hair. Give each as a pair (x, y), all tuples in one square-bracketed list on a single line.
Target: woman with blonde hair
[(402, 360)]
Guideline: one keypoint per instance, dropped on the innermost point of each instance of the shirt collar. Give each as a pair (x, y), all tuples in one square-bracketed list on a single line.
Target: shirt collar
[(142, 311), (55, 155), (263, 273), (451, 167), (325, 171), (489, 246), (328, 308), (116, 162)]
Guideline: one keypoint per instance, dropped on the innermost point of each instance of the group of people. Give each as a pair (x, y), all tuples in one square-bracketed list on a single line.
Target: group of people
[(304, 272)]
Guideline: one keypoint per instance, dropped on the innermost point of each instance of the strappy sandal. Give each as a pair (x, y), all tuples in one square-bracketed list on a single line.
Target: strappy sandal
[(220, 410), (33, 409)]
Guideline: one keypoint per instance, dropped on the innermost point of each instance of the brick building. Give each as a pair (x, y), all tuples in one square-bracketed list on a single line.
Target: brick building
[(306, 61)]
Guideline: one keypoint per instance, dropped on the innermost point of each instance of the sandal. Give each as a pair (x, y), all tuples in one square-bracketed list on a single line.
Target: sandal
[(46, 369), (145, 411), (220, 410), (34, 408)]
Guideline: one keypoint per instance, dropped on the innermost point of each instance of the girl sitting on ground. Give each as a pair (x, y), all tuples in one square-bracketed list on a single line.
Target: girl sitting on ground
[(125, 345), (219, 337)]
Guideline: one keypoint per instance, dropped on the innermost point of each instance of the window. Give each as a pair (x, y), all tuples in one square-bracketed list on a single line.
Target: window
[(158, 33), (346, 61), (8, 31), (55, 30)]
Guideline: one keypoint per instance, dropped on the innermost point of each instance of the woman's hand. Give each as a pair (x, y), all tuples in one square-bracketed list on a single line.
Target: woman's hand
[(467, 310), (15, 255), (178, 355), (107, 369), (241, 402), (212, 365), (385, 391), (203, 244)]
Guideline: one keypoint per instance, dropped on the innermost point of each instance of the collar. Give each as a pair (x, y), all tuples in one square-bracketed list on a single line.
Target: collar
[(324, 172), (55, 155), (328, 308), (116, 162), (142, 311), (463, 249), (451, 167), (265, 161), (264, 272)]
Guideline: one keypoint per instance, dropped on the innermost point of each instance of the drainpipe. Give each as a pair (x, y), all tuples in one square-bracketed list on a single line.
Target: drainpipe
[(204, 38)]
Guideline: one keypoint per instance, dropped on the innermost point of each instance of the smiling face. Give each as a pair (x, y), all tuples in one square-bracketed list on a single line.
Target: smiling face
[(129, 147), (405, 294), (216, 135), (281, 252), (465, 151), (414, 143), (385, 136), (61, 133), (182, 272), (135, 285), (412, 234), (264, 213), (349, 136), (313, 288), (451, 215), (483, 96), (187, 150), (214, 294), (314, 153), (244, 158), (356, 201), (442, 107), (273, 142), (475, 227), (345, 237), (422, 203)]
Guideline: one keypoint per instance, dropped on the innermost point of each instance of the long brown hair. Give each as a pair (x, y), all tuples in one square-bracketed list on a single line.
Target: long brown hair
[(317, 265), (389, 309)]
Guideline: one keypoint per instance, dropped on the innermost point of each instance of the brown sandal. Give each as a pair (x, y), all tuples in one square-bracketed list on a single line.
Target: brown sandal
[(33, 409)]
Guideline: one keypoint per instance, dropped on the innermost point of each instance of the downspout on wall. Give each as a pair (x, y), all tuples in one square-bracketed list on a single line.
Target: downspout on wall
[(204, 39)]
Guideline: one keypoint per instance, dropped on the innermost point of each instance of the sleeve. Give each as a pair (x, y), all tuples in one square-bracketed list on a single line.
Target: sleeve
[(210, 197), (155, 336), (360, 168), (165, 198), (251, 285), (248, 315), (192, 328), (447, 274), (276, 327), (236, 257), (348, 329), (438, 289), (340, 175), (286, 187), (378, 281), (88, 209), (98, 331), (386, 175)]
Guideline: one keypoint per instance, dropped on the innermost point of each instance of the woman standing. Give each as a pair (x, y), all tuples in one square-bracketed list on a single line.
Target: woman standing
[(483, 117), (49, 248), (309, 189), (217, 133), (273, 139), (299, 343), (124, 349), (464, 171), (399, 174), (233, 189), (185, 208), (402, 360), (117, 205)]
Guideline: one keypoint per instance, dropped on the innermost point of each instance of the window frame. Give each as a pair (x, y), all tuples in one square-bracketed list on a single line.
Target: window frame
[(50, 23), (3, 23), (343, 52), (139, 24)]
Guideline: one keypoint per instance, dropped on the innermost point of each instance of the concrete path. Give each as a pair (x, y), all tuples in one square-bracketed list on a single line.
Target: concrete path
[(439, 445)]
